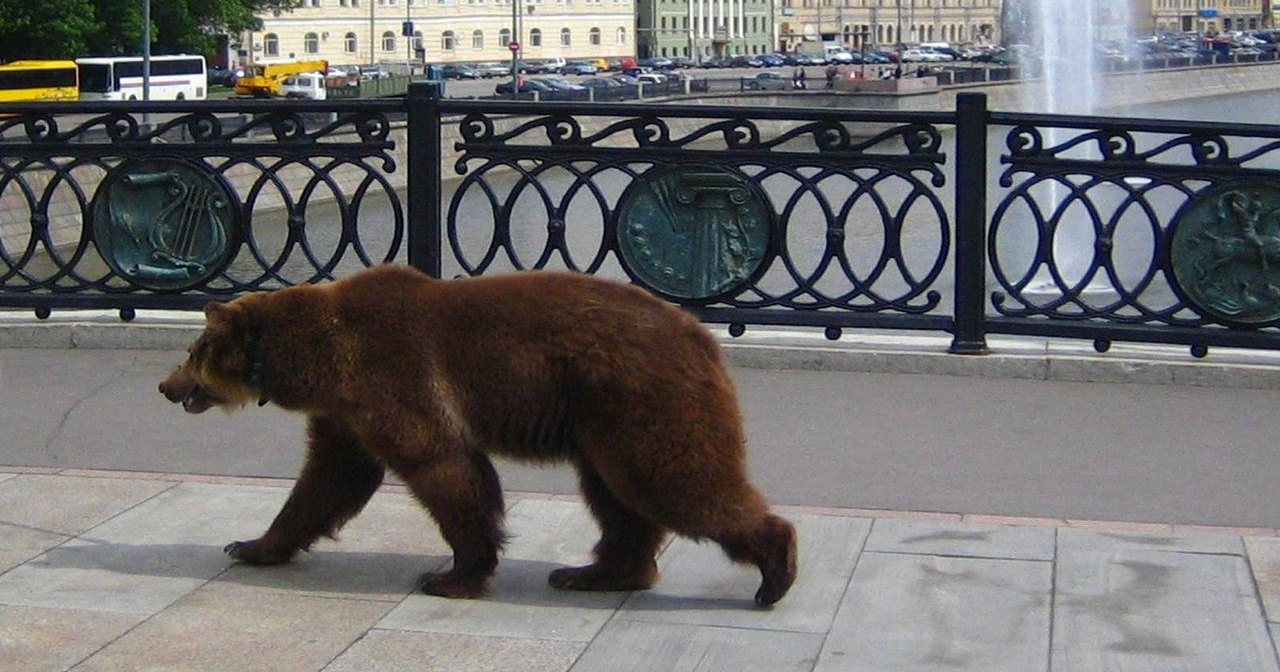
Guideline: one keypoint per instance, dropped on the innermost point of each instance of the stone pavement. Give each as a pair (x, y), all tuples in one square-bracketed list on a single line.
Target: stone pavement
[(124, 571)]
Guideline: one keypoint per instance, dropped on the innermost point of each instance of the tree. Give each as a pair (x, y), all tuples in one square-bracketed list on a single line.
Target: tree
[(45, 29), (71, 28)]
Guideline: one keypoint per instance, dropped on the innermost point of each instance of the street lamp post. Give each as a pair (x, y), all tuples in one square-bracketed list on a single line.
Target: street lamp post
[(146, 50)]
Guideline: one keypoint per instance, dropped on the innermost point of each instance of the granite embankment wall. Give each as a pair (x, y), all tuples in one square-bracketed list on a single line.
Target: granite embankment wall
[(67, 220), (1119, 90)]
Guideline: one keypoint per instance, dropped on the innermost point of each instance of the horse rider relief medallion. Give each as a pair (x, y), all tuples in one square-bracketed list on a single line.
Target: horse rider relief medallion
[(694, 232), (164, 224), (1225, 253)]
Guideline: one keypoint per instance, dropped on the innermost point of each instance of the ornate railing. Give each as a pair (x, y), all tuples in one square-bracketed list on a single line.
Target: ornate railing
[(965, 221)]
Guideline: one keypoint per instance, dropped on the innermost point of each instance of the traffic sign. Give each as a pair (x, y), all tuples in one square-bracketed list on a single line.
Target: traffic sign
[(513, 46)]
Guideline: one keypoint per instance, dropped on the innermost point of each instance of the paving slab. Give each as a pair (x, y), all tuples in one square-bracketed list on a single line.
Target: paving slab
[(398, 651), (19, 544), (546, 534), (1100, 540), (37, 639), (926, 537), (1131, 609), (1264, 560), (223, 627), (142, 560), (925, 613), (701, 586), (633, 646), (82, 503)]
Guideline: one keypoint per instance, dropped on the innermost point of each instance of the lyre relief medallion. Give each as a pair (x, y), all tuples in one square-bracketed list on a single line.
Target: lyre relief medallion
[(1224, 253), (694, 232), (164, 224)]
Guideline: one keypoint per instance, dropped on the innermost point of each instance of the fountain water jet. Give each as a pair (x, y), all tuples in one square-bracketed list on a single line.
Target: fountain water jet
[(1067, 34)]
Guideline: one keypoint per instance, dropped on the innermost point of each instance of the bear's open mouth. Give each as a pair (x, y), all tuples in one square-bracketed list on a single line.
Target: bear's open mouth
[(198, 401)]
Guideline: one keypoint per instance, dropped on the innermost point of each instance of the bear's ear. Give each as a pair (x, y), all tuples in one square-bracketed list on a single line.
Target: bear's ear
[(215, 311)]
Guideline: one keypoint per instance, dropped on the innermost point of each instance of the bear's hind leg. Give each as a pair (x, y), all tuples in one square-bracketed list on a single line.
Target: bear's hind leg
[(771, 546), (464, 496), (625, 554), (337, 481)]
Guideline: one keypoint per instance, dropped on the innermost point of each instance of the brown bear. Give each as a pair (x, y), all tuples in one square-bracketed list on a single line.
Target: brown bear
[(396, 370)]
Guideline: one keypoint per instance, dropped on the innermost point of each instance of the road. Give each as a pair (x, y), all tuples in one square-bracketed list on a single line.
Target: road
[(1155, 453)]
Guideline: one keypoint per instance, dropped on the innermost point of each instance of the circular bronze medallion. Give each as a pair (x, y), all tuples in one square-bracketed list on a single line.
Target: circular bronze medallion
[(164, 224), (694, 232), (1224, 252)]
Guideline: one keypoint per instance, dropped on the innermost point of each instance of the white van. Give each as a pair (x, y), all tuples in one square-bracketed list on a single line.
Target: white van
[(308, 85)]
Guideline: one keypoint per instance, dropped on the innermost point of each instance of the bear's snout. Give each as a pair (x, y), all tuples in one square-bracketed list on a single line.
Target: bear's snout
[(181, 388)]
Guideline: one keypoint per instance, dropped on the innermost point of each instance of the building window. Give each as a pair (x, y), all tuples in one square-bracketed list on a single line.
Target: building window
[(419, 44), (311, 43), (622, 36), (566, 37), (270, 45), (504, 37), (477, 39), (349, 43), (388, 41), (535, 37), (594, 37), (447, 41)]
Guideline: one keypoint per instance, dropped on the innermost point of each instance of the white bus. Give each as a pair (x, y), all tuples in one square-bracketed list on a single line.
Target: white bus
[(179, 77)]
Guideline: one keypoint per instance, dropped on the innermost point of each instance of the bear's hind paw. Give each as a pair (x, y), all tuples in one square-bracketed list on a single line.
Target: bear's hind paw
[(603, 578)]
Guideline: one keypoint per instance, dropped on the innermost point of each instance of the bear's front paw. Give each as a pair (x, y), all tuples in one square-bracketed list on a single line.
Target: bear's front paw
[(255, 553)]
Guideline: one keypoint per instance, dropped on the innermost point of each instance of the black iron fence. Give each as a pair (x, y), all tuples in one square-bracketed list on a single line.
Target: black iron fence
[(966, 221)]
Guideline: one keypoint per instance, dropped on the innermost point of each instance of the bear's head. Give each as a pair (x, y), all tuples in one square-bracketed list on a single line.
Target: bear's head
[(221, 368)]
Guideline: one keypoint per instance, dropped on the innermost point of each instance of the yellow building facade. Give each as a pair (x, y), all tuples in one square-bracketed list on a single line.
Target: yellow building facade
[(884, 23), (361, 32), (1209, 16)]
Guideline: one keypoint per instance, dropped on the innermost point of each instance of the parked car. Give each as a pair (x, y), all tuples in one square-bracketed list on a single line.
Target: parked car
[(488, 70), (714, 62), (924, 56), (766, 81), (745, 62), (578, 68), (602, 83), (459, 71), (657, 63), (527, 85), (771, 60)]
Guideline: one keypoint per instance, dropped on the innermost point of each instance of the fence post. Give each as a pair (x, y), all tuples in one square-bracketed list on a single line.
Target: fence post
[(424, 152), (969, 336)]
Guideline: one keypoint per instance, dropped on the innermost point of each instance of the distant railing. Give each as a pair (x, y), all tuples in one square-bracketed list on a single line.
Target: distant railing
[(965, 221)]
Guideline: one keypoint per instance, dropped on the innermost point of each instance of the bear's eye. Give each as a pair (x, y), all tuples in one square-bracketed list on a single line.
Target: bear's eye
[(196, 351)]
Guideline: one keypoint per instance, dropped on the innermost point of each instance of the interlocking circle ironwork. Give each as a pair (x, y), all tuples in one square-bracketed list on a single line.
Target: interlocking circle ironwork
[(1225, 253), (694, 232), (164, 224)]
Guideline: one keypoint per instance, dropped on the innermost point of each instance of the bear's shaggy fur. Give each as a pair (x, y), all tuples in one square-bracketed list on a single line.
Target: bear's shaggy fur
[(398, 371)]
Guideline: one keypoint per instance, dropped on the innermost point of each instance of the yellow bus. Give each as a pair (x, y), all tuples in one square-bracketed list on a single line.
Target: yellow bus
[(264, 78), (38, 80)]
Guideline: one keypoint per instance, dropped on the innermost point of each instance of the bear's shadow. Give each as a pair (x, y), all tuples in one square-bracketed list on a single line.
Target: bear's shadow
[(518, 581)]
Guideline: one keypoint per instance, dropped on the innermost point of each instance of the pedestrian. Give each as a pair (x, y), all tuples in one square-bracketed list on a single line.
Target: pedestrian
[(801, 79), (831, 76)]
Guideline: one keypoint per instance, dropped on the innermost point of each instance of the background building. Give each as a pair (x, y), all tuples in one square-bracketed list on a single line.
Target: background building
[(1209, 16), (444, 31), (701, 28), (885, 23)]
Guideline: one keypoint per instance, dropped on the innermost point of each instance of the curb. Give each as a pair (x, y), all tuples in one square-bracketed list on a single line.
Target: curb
[(770, 349)]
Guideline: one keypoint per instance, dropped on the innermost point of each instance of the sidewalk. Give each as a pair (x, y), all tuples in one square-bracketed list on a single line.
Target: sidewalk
[(124, 571)]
